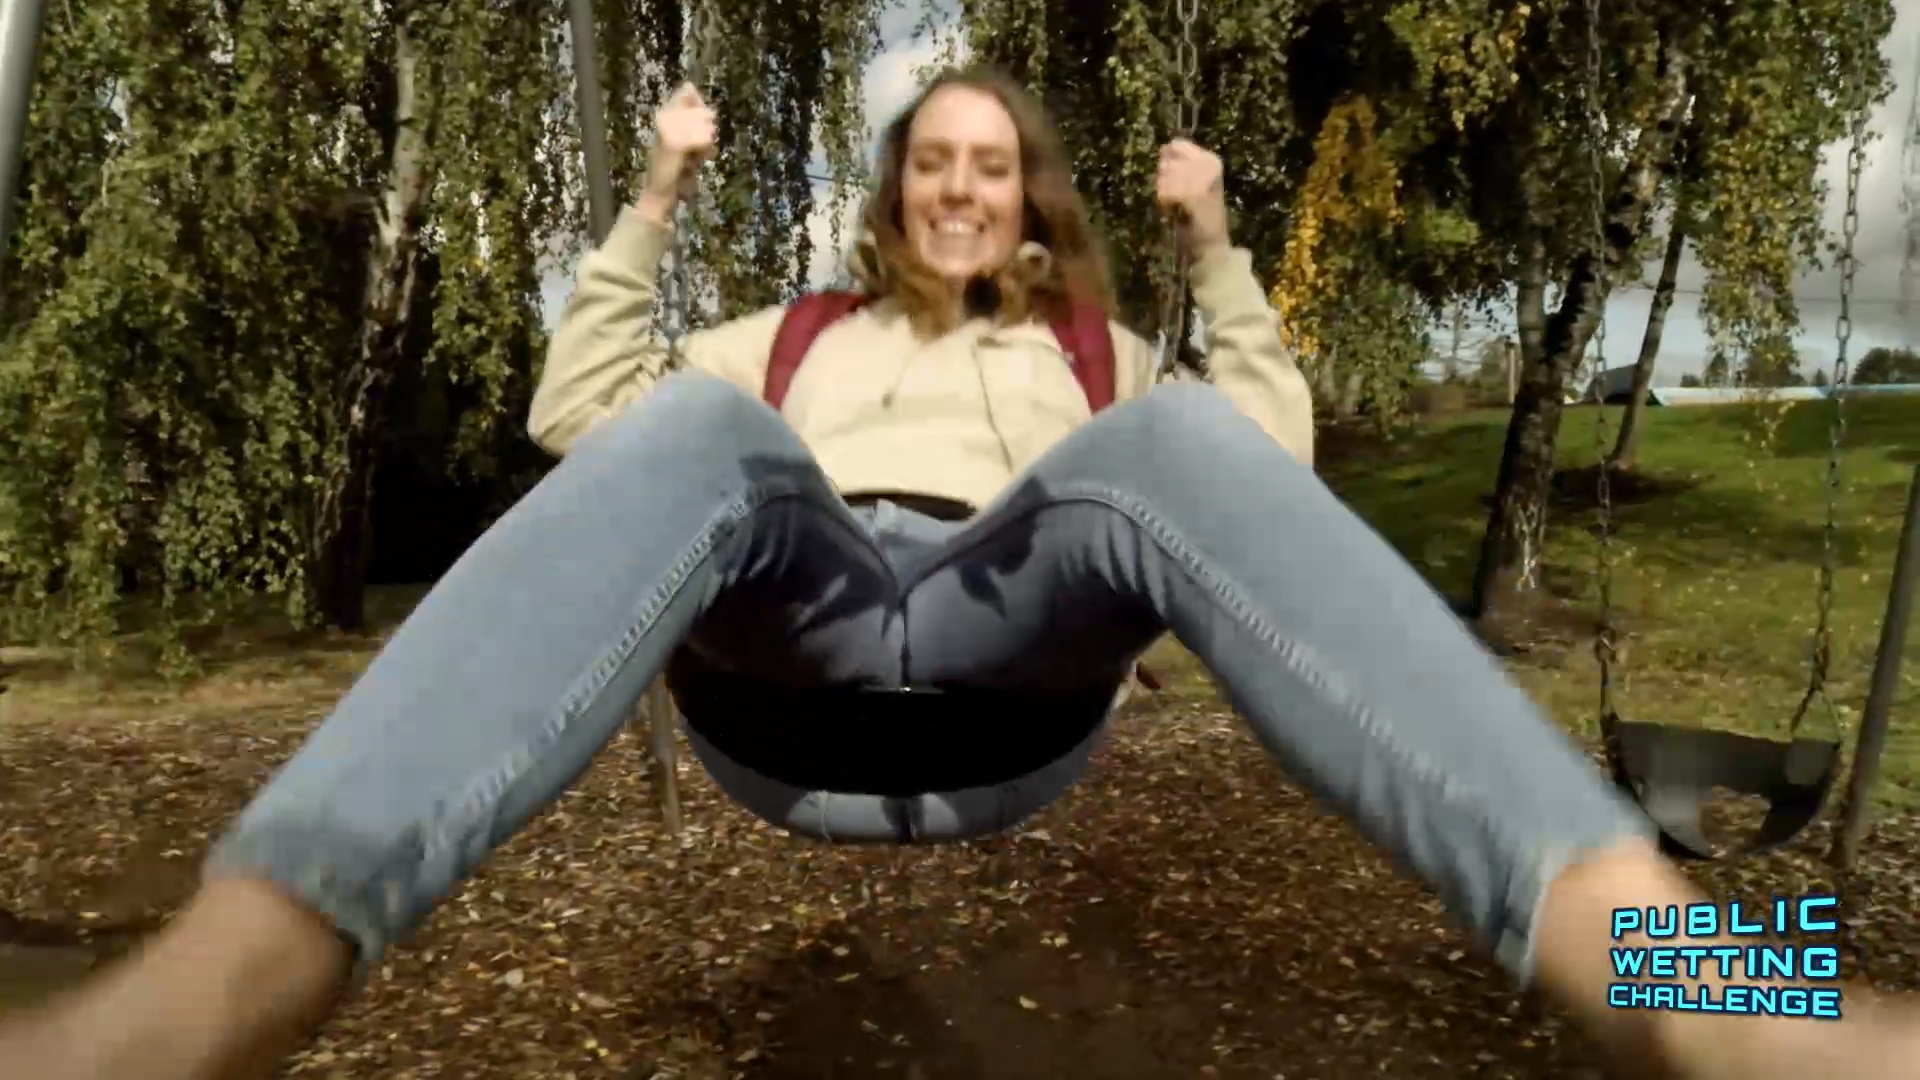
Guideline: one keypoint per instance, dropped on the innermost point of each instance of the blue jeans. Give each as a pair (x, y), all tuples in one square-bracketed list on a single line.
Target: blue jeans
[(697, 524)]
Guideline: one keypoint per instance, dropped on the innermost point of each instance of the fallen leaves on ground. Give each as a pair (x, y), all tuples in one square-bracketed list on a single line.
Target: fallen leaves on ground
[(1184, 911)]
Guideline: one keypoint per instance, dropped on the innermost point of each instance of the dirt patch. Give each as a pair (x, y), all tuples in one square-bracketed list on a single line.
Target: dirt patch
[(1546, 629), (1017, 1010), (1580, 488), (1339, 443)]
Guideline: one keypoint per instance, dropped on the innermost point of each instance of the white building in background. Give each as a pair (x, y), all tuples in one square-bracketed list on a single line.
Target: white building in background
[(1614, 384)]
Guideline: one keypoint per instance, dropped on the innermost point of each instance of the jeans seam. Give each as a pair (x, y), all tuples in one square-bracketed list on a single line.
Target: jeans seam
[(1231, 597), (486, 791), (1307, 665)]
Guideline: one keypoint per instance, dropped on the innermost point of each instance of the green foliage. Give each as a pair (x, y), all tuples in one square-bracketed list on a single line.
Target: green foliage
[(1490, 117), (166, 376), (1108, 73), (184, 303), (1783, 79), (1772, 362), (1474, 117), (775, 66), (1882, 365), (1715, 564), (1374, 332), (784, 75), (187, 288)]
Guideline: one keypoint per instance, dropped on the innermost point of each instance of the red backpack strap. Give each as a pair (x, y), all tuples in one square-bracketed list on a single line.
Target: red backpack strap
[(1083, 334), (1088, 341), (804, 321)]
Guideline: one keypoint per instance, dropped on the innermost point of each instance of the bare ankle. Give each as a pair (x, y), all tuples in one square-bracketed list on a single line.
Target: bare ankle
[(1573, 954), (1573, 934), (233, 983), (259, 940)]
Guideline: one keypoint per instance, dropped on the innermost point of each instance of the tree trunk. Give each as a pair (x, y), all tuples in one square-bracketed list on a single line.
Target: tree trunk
[(1627, 444), (1526, 461), (392, 272), (1530, 307), (1324, 375), (1459, 328), (341, 587), (1514, 525)]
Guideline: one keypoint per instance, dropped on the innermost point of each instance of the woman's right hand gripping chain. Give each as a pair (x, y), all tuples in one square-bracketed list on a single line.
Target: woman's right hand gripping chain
[(684, 132)]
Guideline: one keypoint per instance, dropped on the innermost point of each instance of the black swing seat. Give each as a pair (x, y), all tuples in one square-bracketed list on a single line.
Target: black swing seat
[(1672, 771), (879, 741)]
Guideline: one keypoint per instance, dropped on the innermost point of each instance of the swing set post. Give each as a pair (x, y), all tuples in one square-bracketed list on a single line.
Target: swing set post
[(20, 22), (589, 98), (655, 712), (1886, 680)]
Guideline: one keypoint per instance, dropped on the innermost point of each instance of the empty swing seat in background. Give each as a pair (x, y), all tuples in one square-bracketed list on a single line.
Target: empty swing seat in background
[(1673, 772)]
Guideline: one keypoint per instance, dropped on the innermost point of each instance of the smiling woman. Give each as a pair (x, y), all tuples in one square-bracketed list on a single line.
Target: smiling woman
[(894, 590), (975, 186)]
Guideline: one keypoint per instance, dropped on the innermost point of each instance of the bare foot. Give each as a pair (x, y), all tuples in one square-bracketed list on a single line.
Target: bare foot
[(1878, 1038), (226, 990)]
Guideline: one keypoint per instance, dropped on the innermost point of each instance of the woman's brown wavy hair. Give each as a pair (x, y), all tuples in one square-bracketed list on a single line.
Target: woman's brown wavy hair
[(1056, 218)]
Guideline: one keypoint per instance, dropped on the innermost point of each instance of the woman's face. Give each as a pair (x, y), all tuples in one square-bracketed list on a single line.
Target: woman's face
[(962, 194)]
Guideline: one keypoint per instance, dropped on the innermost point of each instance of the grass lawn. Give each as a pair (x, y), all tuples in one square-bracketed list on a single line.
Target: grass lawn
[(1715, 578)]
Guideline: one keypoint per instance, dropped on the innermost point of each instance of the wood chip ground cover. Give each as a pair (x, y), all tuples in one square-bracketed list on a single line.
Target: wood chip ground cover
[(1185, 912)]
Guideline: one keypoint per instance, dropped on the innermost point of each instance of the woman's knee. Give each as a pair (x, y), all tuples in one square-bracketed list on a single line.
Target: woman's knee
[(1173, 403), (692, 411), (689, 390), (1181, 433), (1176, 417)]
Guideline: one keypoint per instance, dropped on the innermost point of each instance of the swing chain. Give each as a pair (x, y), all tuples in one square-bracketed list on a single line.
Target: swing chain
[(1910, 198), (1603, 641), (1175, 263), (1187, 63), (1822, 647), (703, 38)]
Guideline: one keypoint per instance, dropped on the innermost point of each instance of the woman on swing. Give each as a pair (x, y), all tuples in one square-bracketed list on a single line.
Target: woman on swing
[(935, 505)]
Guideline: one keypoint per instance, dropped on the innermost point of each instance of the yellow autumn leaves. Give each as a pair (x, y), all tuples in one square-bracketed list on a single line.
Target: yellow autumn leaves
[(1352, 184), (1468, 55)]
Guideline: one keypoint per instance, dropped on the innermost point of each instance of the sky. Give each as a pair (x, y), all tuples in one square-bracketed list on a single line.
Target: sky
[(893, 76)]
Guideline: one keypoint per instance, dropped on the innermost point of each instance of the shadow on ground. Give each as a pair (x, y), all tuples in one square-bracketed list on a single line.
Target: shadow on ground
[(1096, 1007)]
